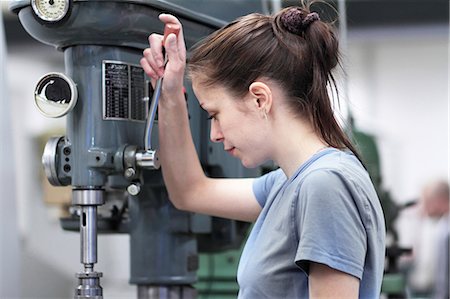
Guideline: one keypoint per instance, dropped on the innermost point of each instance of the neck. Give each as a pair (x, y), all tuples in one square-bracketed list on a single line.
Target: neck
[(296, 143)]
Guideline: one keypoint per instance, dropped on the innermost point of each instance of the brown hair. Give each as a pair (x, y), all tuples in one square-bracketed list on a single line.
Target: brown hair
[(293, 48)]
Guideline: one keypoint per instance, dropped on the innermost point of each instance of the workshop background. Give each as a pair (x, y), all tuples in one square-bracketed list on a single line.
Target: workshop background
[(396, 60)]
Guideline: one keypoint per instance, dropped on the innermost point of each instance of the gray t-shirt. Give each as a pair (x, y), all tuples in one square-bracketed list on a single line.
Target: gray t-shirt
[(328, 212)]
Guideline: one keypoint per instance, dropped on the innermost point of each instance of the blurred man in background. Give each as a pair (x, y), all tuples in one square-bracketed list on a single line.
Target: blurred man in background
[(425, 228)]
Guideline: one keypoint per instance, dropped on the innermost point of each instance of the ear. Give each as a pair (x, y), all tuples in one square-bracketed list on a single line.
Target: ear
[(262, 97)]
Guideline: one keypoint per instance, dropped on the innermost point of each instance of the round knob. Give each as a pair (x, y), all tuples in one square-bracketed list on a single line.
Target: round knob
[(134, 189)]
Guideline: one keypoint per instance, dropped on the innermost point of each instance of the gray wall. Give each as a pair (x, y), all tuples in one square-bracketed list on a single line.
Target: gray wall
[(398, 83)]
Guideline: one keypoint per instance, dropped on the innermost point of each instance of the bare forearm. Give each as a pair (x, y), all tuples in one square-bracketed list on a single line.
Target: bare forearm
[(189, 188), (180, 164)]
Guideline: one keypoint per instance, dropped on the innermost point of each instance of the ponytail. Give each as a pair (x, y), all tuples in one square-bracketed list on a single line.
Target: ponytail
[(324, 53)]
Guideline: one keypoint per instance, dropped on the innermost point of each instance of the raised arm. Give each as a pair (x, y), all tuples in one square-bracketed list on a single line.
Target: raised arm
[(189, 189)]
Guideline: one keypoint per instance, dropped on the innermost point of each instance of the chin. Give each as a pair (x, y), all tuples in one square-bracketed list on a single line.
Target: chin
[(250, 164)]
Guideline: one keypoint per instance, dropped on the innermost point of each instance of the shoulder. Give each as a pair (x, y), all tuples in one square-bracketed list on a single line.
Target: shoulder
[(265, 184), (339, 182), (333, 171), (274, 175)]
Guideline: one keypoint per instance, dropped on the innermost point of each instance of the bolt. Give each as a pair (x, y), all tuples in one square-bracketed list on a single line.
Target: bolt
[(134, 189), (130, 172), (66, 168), (67, 151)]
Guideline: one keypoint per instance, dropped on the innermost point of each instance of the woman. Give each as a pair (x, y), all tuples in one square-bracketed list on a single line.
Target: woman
[(319, 228)]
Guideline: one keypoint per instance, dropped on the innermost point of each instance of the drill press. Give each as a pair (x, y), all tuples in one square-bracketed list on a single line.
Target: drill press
[(105, 97)]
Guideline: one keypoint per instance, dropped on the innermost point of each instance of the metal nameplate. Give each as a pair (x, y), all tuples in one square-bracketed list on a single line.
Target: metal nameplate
[(123, 91)]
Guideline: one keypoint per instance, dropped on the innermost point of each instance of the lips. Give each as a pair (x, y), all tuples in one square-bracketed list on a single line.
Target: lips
[(230, 150)]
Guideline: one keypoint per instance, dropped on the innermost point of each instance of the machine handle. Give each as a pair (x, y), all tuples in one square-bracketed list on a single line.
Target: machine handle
[(149, 158), (168, 29)]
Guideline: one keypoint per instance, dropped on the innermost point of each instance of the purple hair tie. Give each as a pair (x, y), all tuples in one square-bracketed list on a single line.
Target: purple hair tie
[(295, 21), (311, 17)]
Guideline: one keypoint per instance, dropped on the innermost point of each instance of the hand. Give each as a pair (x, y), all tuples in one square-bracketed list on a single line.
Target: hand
[(153, 60)]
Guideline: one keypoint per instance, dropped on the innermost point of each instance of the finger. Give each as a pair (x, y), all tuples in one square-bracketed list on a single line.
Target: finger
[(170, 19), (158, 69), (155, 41), (148, 69), (150, 59), (151, 62)]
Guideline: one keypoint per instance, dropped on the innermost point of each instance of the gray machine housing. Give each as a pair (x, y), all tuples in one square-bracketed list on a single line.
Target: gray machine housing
[(102, 42)]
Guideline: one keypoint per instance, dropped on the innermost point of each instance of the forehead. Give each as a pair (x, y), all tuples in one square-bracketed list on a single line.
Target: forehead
[(209, 95)]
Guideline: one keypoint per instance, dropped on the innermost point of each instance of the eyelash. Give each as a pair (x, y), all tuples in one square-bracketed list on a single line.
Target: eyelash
[(211, 117)]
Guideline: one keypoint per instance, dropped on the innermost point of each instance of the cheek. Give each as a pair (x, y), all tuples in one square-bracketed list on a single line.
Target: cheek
[(234, 125), (258, 146), (246, 129)]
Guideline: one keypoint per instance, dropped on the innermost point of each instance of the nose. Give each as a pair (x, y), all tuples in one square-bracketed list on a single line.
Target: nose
[(216, 133)]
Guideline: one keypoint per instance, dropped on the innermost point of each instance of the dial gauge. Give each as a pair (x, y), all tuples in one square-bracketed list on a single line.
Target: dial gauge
[(50, 10)]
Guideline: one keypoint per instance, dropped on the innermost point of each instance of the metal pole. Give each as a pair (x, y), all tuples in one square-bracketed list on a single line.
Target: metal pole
[(88, 236), (88, 280)]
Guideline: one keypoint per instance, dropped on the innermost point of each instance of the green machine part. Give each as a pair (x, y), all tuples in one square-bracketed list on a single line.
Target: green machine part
[(368, 150), (217, 275), (218, 263)]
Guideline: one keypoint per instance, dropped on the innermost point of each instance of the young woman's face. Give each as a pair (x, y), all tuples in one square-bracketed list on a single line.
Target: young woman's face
[(236, 123)]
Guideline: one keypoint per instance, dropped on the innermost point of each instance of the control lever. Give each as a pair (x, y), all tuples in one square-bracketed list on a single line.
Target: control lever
[(149, 154), (147, 158)]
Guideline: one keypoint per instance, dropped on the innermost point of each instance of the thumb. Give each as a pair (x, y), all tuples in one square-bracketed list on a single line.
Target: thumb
[(170, 45)]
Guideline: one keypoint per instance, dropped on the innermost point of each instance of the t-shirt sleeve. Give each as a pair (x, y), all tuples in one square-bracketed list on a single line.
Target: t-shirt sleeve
[(263, 185), (329, 226)]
